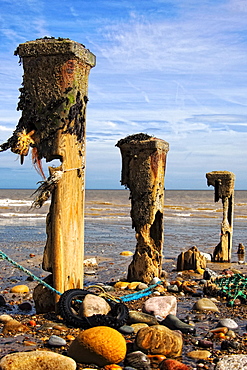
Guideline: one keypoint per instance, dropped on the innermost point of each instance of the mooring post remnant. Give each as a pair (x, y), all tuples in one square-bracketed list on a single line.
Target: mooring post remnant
[(53, 102), (223, 182), (143, 172)]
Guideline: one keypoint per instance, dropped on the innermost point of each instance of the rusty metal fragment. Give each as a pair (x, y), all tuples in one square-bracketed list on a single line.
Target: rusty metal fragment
[(223, 182), (143, 171)]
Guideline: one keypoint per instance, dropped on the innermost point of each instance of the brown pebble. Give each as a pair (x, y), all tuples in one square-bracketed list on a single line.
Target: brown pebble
[(222, 329)]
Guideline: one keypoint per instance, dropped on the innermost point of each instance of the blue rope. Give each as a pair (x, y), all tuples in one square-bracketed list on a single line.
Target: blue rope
[(126, 298), (4, 256), (137, 295)]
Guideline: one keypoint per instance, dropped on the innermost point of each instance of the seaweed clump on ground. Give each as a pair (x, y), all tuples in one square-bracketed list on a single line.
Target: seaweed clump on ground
[(133, 138)]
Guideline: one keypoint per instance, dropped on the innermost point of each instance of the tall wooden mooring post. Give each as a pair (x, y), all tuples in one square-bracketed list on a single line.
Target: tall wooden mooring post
[(143, 172), (53, 102), (223, 182)]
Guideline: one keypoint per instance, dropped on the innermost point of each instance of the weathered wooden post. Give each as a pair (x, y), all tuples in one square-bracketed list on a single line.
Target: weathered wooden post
[(53, 103), (223, 182), (143, 172)]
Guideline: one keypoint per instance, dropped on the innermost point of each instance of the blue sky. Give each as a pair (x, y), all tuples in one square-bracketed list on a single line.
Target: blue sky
[(173, 69)]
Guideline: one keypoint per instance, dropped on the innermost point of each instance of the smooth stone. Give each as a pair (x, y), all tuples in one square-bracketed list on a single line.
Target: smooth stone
[(45, 359), (229, 344), (228, 323), (236, 362), (208, 274), (136, 327), (121, 285), (100, 345), (141, 286), (158, 339), (174, 323), (200, 354), (133, 285), (126, 329), (138, 360), (4, 318), (141, 317), (155, 280), (161, 306), (19, 289), (172, 289), (2, 301), (92, 262), (14, 326), (205, 343), (231, 334), (25, 306), (126, 253), (55, 341), (93, 305), (171, 364), (205, 304)]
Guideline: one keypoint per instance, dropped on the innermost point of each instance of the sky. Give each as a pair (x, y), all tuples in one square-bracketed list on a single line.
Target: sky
[(173, 69)]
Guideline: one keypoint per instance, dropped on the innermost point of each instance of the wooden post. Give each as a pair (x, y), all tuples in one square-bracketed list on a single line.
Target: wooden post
[(143, 170), (223, 182), (53, 103)]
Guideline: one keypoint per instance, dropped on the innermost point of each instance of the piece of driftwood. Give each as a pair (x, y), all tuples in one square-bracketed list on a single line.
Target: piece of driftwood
[(143, 172), (53, 122), (223, 183)]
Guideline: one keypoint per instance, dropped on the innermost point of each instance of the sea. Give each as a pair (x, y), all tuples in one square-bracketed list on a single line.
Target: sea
[(191, 218)]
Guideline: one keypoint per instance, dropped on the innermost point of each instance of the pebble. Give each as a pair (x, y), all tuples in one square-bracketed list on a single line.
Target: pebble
[(126, 253), (4, 318), (141, 317), (200, 354), (171, 364), (136, 327), (121, 285), (138, 360), (229, 323), (19, 289), (55, 341), (229, 344), (133, 285), (158, 337), (126, 329), (205, 304), (161, 306), (236, 362), (155, 280), (141, 286), (173, 323), (28, 361), (100, 345)]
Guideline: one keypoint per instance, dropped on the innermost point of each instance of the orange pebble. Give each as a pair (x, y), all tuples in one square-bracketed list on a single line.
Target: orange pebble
[(70, 337), (219, 335), (156, 358), (112, 367), (32, 323), (221, 329)]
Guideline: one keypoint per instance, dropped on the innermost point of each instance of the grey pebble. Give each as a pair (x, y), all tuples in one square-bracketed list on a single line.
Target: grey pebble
[(126, 329), (229, 323), (56, 341)]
